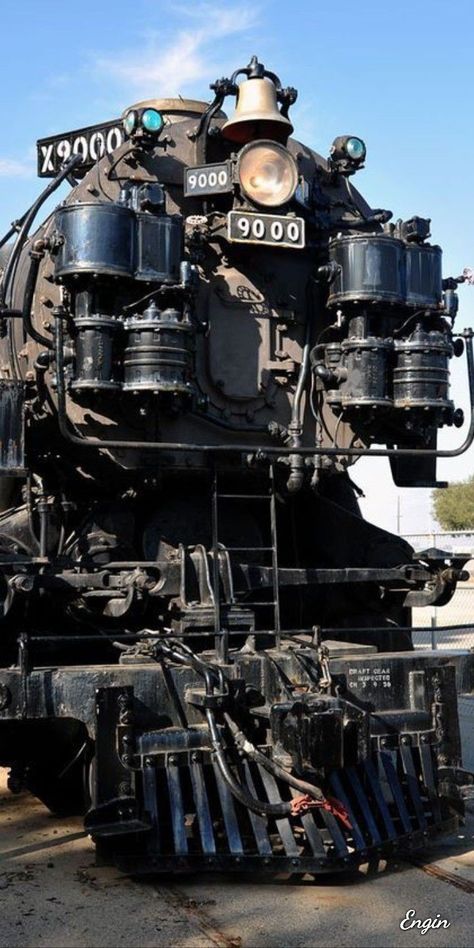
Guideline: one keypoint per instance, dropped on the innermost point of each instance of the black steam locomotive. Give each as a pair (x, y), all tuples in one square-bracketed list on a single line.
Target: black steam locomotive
[(203, 645)]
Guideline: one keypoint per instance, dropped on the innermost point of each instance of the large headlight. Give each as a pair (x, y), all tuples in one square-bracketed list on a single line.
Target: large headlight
[(268, 174)]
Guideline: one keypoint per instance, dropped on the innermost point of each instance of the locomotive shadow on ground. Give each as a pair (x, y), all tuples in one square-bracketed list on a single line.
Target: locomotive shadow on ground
[(40, 820), (189, 910)]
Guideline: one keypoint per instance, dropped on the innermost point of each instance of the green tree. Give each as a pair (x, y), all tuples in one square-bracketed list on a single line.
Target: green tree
[(453, 506)]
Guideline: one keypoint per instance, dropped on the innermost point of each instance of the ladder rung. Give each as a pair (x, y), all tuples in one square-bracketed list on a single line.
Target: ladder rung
[(270, 602), (249, 549), (274, 604), (244, 496)]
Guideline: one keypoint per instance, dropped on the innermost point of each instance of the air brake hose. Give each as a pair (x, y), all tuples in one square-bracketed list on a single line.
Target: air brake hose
[(192, 660), (251, 751), (285, 808), (256, 806)]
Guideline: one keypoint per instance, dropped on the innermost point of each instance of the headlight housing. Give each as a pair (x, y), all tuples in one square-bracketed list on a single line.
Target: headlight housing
[(267, 173)]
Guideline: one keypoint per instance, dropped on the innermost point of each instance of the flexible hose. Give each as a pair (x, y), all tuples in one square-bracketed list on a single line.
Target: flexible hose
[(205, 670), (257, 806), (202, 669), (251, 751)]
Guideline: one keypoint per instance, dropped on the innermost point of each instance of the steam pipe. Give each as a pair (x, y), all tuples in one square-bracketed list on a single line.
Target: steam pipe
[(25, 223), (295, 428), (86, 442), (36, 257), (27, 220), (203, 127)]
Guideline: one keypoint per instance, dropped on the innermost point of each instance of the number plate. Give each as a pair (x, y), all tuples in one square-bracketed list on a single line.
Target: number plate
[(92, 143), (273, 229), (208, 179)]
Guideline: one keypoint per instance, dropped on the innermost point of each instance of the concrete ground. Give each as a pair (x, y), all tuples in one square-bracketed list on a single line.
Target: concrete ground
[(52, 894)]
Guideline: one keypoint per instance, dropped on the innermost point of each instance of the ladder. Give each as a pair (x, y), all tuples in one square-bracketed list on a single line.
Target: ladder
[(221, 635)]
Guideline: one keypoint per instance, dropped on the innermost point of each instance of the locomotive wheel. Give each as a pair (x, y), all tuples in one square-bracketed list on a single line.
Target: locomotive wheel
[(10, 493), (59, 776), (65, 792)]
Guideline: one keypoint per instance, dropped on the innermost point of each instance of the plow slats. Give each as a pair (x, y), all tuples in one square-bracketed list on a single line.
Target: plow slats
[(364, 804), (197, 820), (377, 792), (228, 812), (312, 832), (259, 824), (340, 794), (413, 784), (177, 810), (335, 832), (397, 792), (203, 812), (283, 825)]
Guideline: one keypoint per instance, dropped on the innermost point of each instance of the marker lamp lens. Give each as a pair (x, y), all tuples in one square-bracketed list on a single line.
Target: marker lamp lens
[(129, 122), (355, 149), (152, 121)]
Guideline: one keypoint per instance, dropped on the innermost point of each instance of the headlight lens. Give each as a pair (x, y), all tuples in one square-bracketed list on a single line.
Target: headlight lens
[(268, 174)]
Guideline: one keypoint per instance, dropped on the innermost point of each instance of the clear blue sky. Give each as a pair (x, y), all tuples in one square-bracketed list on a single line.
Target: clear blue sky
[(399, 74)]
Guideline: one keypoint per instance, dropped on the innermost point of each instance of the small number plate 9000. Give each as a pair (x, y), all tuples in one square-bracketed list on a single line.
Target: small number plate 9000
[(271, 229)]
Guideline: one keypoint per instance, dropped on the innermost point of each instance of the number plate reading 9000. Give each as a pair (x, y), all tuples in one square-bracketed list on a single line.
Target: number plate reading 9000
[(265, 229)]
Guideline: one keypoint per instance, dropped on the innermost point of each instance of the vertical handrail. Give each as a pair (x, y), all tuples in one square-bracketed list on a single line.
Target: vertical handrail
[(221, 637), (274, 539)]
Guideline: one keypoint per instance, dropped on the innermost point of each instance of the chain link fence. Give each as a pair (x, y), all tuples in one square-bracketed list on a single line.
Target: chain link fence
[(452, 625)]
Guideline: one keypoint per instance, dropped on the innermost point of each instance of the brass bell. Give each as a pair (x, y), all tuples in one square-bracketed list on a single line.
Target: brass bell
[(256, 114)]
